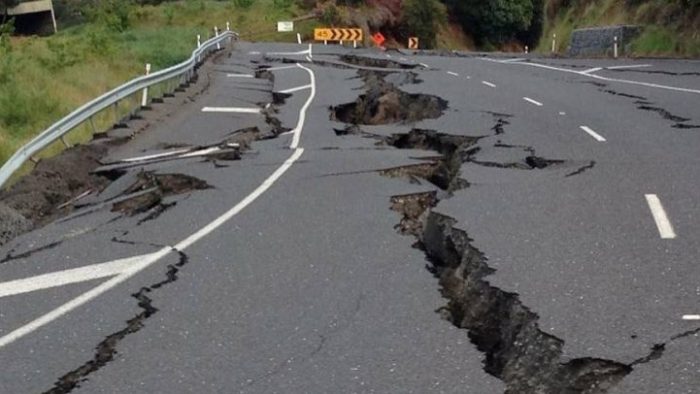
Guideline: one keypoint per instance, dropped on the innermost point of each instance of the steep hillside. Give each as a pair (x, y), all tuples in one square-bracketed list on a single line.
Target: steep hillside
[(671, 27)]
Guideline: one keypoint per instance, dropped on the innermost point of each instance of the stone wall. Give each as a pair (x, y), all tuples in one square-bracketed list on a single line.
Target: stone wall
[(599, 41)]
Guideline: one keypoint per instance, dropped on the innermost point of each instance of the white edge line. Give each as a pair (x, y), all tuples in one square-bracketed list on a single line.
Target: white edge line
[(591, 70), (292, 90), (232, 110), (664, 225), (181, 246), (531, 101), (488, 84), (593, 134), (630, 66)]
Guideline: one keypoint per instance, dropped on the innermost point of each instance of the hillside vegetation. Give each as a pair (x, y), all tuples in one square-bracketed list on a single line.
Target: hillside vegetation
[(671, 27), (107, 43)]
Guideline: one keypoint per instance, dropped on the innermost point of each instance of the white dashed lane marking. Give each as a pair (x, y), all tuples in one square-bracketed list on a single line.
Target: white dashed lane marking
[(664, 225), (593, 134)]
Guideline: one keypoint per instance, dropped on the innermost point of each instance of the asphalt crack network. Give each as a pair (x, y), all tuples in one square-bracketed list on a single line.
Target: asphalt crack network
[(106, 350), (517, 351), (644, 104)]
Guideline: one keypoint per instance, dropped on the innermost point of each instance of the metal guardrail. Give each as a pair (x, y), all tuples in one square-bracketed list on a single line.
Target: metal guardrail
[(87, 111)]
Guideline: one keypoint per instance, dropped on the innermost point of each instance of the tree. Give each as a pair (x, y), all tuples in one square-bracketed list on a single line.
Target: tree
[(5, 5), (494, 20), (423, 18)]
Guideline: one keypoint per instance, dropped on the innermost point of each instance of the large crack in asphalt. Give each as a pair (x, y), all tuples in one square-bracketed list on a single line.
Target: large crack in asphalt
[(517, 351), (106, 350), (644, 104)]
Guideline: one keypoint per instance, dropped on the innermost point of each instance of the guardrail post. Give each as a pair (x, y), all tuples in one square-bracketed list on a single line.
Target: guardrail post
[(216, 34), (92, 124), (65, 143), (615, 47), (144, 95), (199, 45)]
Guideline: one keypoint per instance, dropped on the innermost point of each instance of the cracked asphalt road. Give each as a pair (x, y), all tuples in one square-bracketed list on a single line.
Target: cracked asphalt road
[(308, 287)]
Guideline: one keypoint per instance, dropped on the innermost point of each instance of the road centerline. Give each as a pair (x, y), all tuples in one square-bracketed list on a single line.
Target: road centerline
[(531, 101)]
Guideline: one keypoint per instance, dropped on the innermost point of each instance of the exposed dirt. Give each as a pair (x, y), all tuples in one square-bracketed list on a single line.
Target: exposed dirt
[(384, 103), (41, 196), (154, 188)]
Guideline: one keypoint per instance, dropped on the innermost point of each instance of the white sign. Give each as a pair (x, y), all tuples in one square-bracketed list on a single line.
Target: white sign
[(285, 26)]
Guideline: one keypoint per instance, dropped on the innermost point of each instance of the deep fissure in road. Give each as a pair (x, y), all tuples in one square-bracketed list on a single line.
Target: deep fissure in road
[(517, 352), (384, 103)]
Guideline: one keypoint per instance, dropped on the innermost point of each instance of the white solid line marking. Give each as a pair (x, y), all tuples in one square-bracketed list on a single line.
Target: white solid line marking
[(148, 260), (309, 58), (593, 134), (292, 90), (691, 317), (519, 59), (630, 66), (232, 110), (453, 73), (488, 84), (531, 101), (662, 223), (62, 278), (302, 115), (240, 76), (424, 65), (627, 81)]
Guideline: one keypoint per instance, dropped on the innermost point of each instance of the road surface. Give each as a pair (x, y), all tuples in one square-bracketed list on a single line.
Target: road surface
[(564, 235)]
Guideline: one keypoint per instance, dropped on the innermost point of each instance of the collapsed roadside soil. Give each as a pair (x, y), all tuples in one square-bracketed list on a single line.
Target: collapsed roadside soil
[(47, 192)]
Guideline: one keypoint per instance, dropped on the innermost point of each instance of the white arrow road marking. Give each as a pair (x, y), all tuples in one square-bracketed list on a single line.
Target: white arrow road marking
[(292, 90), (531, 101), (237, 110), (137, 264), (591, 70), (593, 134), (67, 277), (662, 223)]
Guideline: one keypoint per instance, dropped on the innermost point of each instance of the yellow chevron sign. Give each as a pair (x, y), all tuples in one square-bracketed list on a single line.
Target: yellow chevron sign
[(413, 43), (345, 34)]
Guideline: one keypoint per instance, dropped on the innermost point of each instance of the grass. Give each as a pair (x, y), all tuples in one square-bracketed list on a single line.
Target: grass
[(42, 79), (664, 32)]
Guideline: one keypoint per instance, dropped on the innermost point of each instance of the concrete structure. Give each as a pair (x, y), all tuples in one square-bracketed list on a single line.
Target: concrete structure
[(34, 17), (598, 41)]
